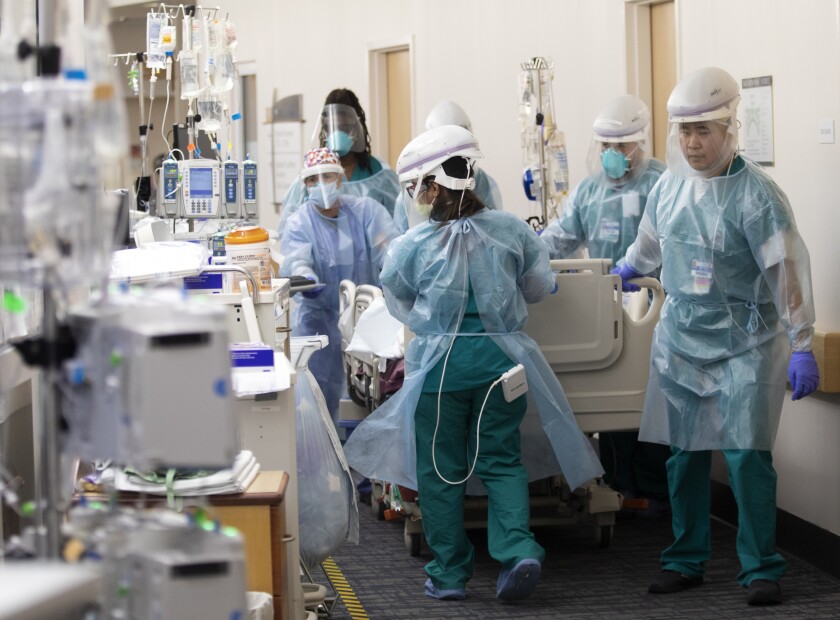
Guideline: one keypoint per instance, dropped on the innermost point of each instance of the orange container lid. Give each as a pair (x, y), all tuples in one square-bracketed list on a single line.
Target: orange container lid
[(249, 234)]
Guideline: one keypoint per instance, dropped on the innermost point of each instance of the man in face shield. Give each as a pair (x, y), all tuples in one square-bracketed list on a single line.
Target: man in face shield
[(604, 211), (739, 310), (332, 237), (602, 217)]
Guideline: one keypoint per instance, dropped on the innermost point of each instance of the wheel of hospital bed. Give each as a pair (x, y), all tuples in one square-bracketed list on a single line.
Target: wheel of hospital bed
[(413, 542), (604, 535), (413, 535), (377, 499)]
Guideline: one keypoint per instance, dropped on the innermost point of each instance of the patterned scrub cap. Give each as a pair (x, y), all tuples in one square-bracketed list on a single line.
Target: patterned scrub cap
[(320, 161)]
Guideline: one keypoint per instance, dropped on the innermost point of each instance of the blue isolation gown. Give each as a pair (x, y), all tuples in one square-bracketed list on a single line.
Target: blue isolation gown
[(351, 246), (738, 279), (426, 279), (602, 215), (381, 185), (486, 189)]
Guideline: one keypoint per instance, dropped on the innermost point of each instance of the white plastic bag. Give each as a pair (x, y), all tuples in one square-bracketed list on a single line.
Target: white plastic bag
[(327, 511)]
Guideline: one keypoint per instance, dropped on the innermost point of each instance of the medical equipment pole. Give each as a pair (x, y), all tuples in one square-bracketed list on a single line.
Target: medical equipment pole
[(49, 514), (540, 121), (48, 480)]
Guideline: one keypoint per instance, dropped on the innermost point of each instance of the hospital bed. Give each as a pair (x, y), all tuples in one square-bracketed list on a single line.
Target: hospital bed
[(361, 369), (596, 339)]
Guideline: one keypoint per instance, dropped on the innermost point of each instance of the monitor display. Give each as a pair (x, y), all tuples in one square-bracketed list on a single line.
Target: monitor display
[(201, 182)]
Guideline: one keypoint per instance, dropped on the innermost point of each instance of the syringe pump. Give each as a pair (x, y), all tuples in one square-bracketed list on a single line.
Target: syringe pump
[(249, 187), (230, 198)]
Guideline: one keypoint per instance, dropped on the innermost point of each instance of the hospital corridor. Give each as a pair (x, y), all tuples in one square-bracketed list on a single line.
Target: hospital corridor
[(383, 309)]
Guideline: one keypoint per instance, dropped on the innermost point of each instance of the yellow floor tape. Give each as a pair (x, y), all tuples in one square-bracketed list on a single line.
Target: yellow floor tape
[(348, 597)]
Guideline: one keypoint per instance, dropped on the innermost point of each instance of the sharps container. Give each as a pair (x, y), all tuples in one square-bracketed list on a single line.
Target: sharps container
[(248, 247)]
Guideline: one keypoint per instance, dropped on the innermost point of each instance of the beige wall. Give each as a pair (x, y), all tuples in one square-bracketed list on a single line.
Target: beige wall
[(470, 51)]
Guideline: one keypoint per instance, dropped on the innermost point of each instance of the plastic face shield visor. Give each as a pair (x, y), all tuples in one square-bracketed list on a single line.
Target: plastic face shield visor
[(340, 123), (411, 187), (321, 178), (700, 149)]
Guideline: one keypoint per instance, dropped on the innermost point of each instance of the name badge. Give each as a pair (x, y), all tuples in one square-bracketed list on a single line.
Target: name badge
[(701, 272), (610, 230)]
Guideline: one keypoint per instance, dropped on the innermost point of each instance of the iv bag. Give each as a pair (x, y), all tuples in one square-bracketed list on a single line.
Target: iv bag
[(558, 164), (190, 86), (155, 57), (210, 109), (225, 70)]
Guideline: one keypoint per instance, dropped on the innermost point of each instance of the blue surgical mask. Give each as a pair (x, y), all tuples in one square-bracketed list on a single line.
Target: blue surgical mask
[(341, 142), (323, 195), (615, 164)]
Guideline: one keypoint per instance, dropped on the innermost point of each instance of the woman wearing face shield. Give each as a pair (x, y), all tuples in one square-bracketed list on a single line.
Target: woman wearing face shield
[(486, 189), (343, 129), (602, 216), (332, 237), (461, 281), (738, 278)]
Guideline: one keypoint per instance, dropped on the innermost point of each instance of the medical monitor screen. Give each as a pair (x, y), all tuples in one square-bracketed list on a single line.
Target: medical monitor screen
[(201, 182)]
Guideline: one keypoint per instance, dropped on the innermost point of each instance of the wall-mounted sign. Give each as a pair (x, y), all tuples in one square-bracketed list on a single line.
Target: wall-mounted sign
[(757, 119)]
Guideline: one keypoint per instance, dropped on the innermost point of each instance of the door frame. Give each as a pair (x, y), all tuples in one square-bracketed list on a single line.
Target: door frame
[(638, 46), (377, 69)]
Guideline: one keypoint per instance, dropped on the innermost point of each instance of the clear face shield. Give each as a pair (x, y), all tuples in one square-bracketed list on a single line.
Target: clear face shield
[(417, 209), (703, 145), (617, 160), (322, 189), (417, 190), (340, 130)]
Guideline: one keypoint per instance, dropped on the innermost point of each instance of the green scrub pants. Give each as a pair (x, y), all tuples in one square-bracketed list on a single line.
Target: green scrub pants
[(753, 482), (499, 468)]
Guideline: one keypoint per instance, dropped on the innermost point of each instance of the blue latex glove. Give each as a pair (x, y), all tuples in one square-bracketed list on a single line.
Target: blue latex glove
[(627, 273), (313, 293), (803, 374)]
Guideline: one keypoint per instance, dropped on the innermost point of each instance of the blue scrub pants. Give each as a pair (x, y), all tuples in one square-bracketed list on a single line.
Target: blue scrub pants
[(499, 467), (326, 365), (753, 482)]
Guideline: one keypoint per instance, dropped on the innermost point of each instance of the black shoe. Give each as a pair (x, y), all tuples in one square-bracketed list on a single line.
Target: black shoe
[(764, 592), (670, 581)]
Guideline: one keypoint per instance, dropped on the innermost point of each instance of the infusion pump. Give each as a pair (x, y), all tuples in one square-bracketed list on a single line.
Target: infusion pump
[(190, 188), (206, 188)]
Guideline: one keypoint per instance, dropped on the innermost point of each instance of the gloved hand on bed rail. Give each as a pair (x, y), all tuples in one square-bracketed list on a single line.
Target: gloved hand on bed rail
[(627, 273)]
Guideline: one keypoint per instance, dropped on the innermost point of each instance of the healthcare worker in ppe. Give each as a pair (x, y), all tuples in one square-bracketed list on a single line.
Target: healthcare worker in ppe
[(602, 216), (332, 237), (738, 278), (461, 282), (342, 128), (486, 189)]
